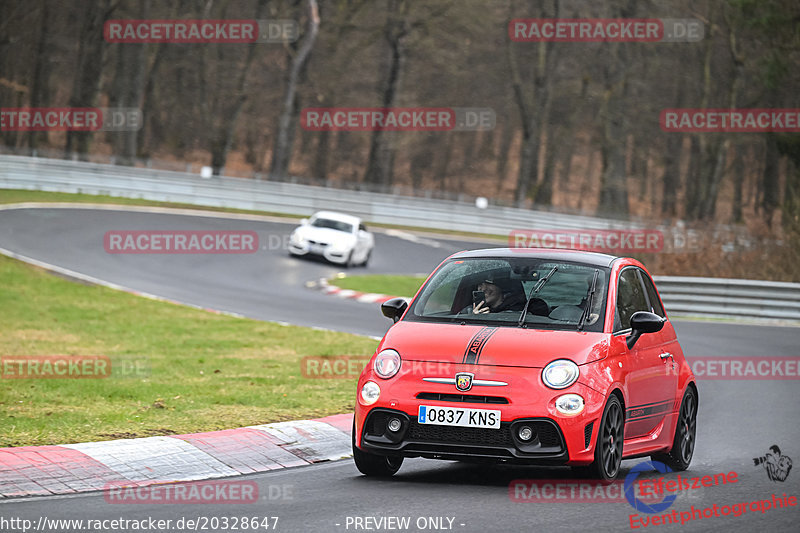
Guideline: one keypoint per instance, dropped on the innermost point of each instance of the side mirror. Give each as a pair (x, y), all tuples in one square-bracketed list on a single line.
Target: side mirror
[(303, 221), (643, 322), (394, 308)]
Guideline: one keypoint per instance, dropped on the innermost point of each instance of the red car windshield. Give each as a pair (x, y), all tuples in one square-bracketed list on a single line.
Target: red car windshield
[(454, 294)]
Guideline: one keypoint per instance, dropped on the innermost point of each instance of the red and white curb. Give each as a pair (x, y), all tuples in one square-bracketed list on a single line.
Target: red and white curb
[(363, 297), (91, 466)]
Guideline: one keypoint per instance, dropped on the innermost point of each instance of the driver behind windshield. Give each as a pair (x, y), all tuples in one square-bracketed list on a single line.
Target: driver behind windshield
[(496, 299)]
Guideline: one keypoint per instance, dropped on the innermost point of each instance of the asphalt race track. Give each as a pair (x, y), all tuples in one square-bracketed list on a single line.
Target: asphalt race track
[(737, 421), (267, 285)]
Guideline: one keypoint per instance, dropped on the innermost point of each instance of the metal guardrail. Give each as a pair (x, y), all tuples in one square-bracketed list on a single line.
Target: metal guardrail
[(19, 172), (708, 297), (737, 298)]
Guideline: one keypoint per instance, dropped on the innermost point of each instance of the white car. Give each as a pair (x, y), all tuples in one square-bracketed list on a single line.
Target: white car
[(337, 237)]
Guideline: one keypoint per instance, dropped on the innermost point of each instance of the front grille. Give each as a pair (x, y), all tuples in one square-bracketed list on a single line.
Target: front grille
[(454, 434), (442, 397), (439, 441), (587, 434), (317, 242)]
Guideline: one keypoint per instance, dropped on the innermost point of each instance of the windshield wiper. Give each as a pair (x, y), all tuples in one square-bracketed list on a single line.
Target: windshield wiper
[(533, 293), (589, 301)]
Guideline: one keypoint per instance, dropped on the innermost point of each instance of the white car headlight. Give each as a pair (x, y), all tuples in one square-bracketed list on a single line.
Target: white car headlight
[(560, 374), (370, 393), (569, 404), (387, 363)]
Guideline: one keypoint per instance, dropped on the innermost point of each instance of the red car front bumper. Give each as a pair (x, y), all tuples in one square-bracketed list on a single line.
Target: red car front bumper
[(522, 400)]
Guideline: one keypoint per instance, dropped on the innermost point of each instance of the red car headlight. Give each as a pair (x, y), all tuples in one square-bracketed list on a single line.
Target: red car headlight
[(370, 393), (570, 404), (560, 374), (387, 363)]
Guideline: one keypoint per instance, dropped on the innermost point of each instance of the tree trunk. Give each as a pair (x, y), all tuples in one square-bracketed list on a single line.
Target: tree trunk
[(320, 166), (421, 161), (40, 87), (544, 190), (770, 179), (282, 152), (146, 132), (738, 185), (380, 164), (534, 107), (223, 136), (445, 154), (693, 178), (639, 164), (718, 147), (506, 138), (127, 90), (566, 151), (671, 182), (613, 186), (586, 185), (86, 83)]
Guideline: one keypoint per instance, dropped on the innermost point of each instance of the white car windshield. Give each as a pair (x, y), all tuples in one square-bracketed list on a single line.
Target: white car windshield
[(332, 224)]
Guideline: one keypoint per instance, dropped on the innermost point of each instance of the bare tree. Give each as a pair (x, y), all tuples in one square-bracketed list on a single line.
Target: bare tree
[(380, 163), (283, 141), (613, 113), (89, 67), (534, 108)]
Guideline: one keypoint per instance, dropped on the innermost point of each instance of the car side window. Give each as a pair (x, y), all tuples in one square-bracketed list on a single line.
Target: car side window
[(630, 298), (652, 296)]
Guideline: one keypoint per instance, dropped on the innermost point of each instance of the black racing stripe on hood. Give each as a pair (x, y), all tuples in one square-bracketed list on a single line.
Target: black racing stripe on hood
[(476, 344)]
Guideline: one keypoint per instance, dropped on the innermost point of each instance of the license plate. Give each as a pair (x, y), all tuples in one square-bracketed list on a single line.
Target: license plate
[(317, 248), (457, 416)]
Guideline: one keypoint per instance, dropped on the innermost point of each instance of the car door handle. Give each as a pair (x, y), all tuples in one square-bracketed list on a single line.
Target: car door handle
[(664, 357)]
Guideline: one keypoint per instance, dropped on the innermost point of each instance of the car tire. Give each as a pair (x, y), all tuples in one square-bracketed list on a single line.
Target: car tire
[(366, 259), (373, 465), (680, 456), (608, 447), (349, 262)]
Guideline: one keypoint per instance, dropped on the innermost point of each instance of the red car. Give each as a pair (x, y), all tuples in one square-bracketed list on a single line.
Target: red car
[(530, 356)]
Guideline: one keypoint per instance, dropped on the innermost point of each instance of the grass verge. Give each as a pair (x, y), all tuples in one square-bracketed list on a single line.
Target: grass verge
[(390, 285), (198, 371)]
